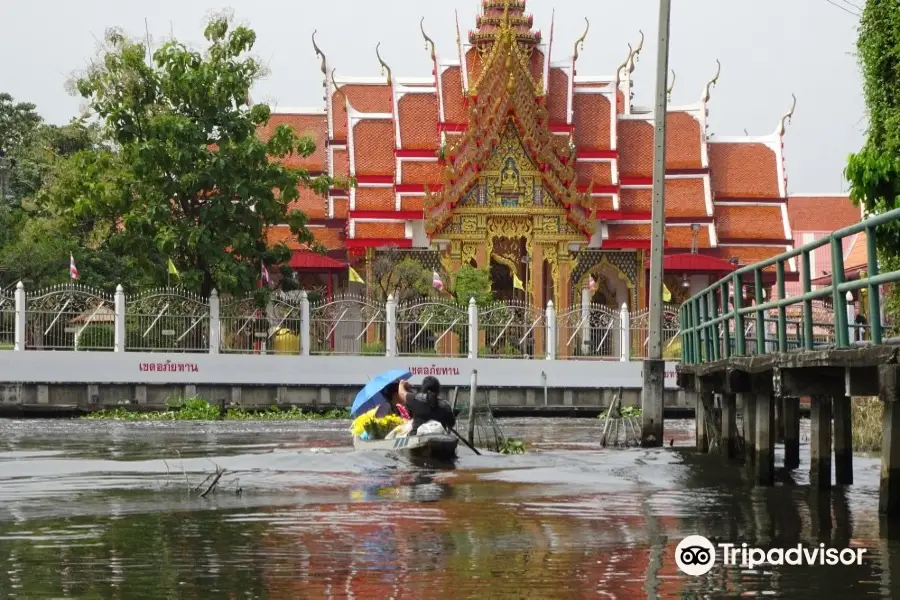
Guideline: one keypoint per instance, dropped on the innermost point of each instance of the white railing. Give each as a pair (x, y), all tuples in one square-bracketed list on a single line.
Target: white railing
[(171, 320)]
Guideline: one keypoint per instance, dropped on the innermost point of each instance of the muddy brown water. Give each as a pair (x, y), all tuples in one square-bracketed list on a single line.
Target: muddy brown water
[(107, 510)]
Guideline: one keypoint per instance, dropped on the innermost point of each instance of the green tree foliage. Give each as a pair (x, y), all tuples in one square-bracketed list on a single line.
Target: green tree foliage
[(185, 175), (404, 278), (874, 172), (470, 282)]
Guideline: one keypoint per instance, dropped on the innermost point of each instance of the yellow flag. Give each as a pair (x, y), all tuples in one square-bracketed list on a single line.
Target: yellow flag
[(667, 295), (354, 276), (517, 283), (172, 269)]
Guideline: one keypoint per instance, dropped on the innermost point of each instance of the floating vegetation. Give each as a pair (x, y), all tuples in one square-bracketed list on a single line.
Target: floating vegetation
[(621, 424), (198, 409), (512, 446), (867, 423)]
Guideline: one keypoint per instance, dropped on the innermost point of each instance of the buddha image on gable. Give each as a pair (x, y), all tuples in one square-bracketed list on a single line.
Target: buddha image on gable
[(509, 176)]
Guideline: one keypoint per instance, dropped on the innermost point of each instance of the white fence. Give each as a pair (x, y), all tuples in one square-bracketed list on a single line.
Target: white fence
[(73, 317)]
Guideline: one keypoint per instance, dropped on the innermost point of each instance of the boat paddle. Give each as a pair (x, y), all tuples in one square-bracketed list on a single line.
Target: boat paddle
[(465, 441)]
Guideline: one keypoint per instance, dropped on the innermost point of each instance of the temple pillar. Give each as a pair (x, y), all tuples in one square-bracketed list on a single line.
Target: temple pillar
[(564, 285), (537, 295)]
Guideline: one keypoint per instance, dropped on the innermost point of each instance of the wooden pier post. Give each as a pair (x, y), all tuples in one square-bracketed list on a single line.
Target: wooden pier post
[(702, 430), (889, 392), (791, 432), (729, 426), (748, 412), (820, 442), (843, 440), (779, 420), (765, 439)]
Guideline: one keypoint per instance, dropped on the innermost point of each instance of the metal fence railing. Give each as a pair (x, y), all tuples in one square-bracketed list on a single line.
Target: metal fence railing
[(716, 325)]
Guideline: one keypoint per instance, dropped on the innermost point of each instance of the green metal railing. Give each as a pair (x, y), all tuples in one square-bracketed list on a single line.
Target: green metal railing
[(706, 320)]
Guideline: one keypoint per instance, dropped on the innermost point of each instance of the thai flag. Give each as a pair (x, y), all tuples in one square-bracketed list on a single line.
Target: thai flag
[(265, 275), (73, 270), (437, 283)]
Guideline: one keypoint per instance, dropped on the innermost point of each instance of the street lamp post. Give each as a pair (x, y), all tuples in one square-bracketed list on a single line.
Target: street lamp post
[(655, 367)]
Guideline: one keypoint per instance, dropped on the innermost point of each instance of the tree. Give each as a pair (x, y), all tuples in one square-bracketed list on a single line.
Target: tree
[(874, 172), (185, 175), (404, 278), (19, 124), (472, 283)]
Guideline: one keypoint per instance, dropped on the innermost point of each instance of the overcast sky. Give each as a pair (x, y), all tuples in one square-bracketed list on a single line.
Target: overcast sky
[(768, 49)]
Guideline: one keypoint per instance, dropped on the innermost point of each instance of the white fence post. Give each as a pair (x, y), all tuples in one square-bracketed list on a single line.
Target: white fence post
[(624, 333), (551, 331), (390, 336), (853, 332), (215, 324), (473, 328), (585, 321), (21, 318), (304, 323), (119, 327)]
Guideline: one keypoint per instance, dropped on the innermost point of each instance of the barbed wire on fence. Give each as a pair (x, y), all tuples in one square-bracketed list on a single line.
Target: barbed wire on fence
[(348, 324), (166, 319), (70, 317), (429, 326)]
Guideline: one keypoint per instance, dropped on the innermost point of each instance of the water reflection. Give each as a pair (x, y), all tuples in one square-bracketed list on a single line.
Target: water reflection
[(101, 519)]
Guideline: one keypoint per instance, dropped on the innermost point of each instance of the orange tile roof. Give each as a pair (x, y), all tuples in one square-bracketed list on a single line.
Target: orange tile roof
[(375, 198), (418, 115), (384, 231), (418, 172), (749, 222), (743, 170), (451, 86), (331, 238), (558, 96), (822, 213), (858, 257), (311, 203), (591, 120), (314, 126), (737, 170), (373, 147), (598, 173)]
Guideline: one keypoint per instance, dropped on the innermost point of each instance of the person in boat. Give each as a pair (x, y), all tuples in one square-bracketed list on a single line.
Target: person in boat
[(393, 402), (426, 405)]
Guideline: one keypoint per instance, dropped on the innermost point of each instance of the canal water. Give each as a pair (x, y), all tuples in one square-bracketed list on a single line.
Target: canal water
[(113, 510)]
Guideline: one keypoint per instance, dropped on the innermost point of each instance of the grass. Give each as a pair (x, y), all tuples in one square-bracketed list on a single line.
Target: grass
[(198, 409), (867, 414)]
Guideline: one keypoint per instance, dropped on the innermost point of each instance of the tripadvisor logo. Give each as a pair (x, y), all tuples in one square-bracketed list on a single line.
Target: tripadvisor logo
[(695, 555)]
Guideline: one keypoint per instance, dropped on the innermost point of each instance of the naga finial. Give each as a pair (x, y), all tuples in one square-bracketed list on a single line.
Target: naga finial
[(428, 40), (580, 41), (634, 55), (712, 82), (384, 67), (319, 53), (624, 65), (787, 116), (671, 85), (333, 82)]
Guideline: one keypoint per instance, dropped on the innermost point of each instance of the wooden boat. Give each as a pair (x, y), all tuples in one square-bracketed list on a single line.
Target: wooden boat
[(436, 446)]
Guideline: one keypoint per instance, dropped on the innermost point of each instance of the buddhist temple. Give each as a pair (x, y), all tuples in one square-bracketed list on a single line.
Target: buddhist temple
[(507, 156)]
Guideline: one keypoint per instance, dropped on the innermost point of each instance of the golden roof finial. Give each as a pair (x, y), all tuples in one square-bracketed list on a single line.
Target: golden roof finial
[(580, 41), (671, 85), (428, 40), (384, 67), (787, 116), (637, 51), (319, 52), (333, 82), (712, 82)]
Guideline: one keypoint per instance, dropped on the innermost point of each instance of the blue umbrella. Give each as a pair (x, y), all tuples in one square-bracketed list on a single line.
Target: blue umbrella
[(370, 396)]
